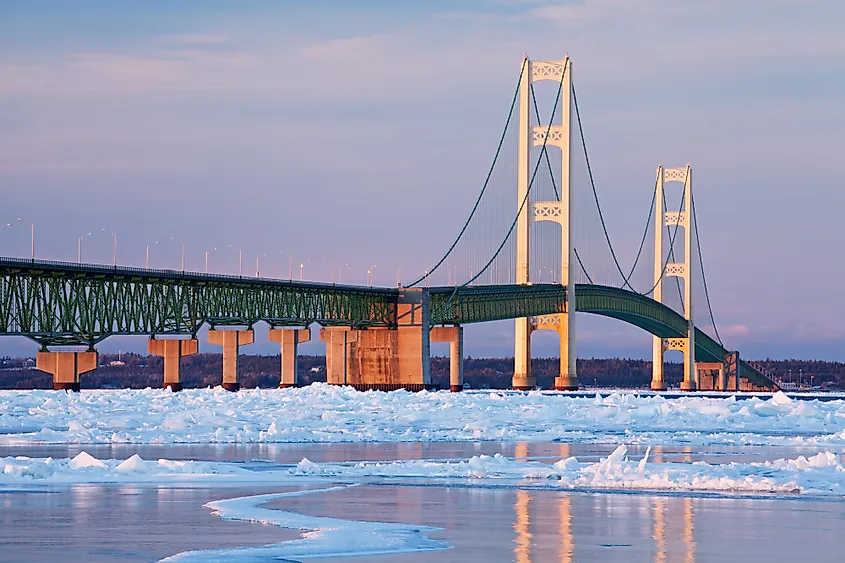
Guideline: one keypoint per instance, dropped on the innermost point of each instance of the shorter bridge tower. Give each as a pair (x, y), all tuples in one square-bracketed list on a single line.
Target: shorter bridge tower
[(663, 268)]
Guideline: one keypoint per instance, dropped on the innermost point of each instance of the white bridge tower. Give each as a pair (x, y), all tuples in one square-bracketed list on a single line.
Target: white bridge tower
[(675, 221), (560, 212)]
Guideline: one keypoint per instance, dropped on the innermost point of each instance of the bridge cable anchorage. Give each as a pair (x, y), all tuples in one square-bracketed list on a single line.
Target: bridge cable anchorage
[(484, 187), (626, 280), (704, 277), (521, 205)]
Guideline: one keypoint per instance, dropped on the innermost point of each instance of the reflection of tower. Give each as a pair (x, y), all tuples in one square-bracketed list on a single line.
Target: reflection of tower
[(659, 533), (689, 540), (566, 543), (522, 551)]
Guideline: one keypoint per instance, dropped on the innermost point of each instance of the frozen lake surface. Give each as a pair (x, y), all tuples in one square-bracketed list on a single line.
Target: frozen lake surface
[(376, 477), (322, 413)]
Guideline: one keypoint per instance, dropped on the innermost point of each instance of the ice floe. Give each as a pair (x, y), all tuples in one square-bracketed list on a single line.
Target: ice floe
[(822, 473), (322, 537), (322, 413)]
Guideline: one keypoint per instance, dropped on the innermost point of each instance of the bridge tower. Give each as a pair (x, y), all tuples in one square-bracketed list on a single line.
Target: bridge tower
[(560, 212), (675, 221)]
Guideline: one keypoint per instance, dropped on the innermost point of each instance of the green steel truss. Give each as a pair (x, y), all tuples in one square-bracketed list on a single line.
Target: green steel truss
[(56, 303), (63, 304), (476, 304)]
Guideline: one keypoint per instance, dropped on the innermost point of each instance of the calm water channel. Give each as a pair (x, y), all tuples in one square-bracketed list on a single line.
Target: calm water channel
[(95, 523)]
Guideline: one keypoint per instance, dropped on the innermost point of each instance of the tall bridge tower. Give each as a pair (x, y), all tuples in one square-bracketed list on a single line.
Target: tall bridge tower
[(560, 212), (673, 221)]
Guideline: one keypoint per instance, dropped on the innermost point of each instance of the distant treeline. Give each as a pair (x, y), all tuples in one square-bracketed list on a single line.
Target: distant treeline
[(203, 370)]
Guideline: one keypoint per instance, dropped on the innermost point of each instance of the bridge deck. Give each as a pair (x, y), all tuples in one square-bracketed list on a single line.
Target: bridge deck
[(60, 303)]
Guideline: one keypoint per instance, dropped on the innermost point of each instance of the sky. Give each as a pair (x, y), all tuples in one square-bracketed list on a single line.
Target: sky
[(358, 133)]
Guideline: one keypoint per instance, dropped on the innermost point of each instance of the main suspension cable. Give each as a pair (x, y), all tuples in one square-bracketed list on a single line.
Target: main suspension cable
[(486, 182), (625, 279), (528, 191), (704, 277)]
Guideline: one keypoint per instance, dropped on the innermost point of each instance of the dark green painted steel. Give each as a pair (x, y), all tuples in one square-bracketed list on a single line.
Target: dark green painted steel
[(477, 304), (57, 303), (658, 319)]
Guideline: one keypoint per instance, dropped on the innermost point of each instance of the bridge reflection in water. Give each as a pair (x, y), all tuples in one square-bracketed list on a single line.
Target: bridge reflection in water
[(672, 523)]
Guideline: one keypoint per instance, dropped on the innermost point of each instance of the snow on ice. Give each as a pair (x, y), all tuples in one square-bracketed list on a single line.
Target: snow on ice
[(322, 413), (819, 474)]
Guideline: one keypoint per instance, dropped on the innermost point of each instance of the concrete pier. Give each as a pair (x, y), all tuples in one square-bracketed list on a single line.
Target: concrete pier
[(380, 357), (231, 341), (172, 352), (289, 339), (338, 343), (66, 367), (454, 335), (710, 376)]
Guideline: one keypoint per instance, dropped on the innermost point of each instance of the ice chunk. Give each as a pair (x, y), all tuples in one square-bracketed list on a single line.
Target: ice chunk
[(83, 459), (133, 465), (780, 398)]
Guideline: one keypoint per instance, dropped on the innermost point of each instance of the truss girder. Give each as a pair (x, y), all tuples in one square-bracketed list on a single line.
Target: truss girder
[(475, 304), (61, 304)]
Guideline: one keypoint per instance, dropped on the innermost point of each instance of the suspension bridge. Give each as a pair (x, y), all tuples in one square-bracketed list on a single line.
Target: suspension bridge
[(535, 248)]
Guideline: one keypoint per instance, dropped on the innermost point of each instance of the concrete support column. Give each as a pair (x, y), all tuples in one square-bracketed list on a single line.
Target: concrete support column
[(231, 341), (567, 380), (338, 357), (66, 367), (690, 382), (456, 362), (454, 335), (658, 344), (289, 340), (414, 336), (172, 351), (522, 378), (658, 380)]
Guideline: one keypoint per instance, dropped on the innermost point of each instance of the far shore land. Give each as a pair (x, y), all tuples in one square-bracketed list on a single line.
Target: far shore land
[(203, 370)]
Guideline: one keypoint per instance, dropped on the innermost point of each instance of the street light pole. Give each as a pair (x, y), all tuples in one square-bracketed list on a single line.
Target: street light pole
[(79, 247), (206, 258), (256, 264), (147, 261), (32, 237), (114, 249), (183, 251)]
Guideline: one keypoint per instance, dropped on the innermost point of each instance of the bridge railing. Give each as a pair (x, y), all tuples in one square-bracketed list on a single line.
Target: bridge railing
[(180, 275)]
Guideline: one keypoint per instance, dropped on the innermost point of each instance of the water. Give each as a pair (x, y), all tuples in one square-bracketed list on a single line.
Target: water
[(491, 523)]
